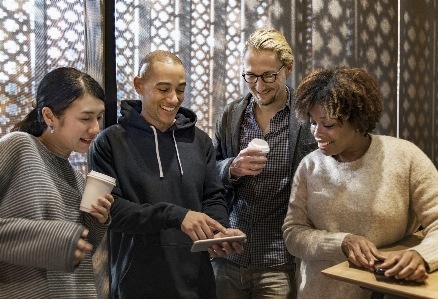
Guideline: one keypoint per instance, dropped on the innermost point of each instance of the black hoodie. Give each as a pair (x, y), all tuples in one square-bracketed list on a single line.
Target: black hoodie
[(160, 177)]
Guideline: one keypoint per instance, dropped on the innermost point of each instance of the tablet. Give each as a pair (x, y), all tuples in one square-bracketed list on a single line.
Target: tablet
[(202, 245)]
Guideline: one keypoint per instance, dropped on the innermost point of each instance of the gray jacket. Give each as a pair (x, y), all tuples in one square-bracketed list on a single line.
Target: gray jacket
[(226, 140)]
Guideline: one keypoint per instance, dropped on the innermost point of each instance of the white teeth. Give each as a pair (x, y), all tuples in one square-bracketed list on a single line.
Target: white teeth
[(323, 143), (168, 108)]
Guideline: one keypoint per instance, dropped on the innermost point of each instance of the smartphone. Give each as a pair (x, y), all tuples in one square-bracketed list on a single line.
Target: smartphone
[(202, 245), (380, 270)]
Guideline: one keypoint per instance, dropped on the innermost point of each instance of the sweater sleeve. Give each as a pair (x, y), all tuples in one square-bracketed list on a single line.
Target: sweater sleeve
[(424, 200), (96, 230), (301, 238), (27, 236), (39, 243), (128, 216)]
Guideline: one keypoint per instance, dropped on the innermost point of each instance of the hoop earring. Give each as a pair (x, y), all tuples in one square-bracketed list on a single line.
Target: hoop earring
[(52, 129)]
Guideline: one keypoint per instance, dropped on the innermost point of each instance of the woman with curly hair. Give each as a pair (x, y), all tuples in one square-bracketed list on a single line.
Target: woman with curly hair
[(358, 191)]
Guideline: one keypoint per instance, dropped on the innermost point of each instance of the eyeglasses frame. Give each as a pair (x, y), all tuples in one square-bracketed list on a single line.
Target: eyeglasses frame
[(275, 74)]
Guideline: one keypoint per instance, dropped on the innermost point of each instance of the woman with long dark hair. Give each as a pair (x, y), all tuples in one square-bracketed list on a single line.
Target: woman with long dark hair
[(45, 240)]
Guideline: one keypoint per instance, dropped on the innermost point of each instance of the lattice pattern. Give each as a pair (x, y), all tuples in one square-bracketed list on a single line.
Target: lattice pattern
[(208, 36), (15, 59), (125, 48), (376, 51), (418, 41), (65, 34), (212, 62), (31, 47), (201, 73), (233, 49), (65, 46), (356, 34)]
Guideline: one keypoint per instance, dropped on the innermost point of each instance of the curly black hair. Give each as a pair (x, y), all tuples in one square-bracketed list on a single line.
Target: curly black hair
[(346, 94)]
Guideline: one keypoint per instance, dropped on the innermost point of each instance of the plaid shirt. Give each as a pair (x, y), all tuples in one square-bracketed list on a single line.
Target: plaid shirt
[(262, 200)]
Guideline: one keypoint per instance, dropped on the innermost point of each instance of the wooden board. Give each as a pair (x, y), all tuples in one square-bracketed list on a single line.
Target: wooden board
[(351, 274)]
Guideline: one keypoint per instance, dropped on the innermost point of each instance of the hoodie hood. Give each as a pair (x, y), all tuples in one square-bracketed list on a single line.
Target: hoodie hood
[(184, 119), (131, 109)]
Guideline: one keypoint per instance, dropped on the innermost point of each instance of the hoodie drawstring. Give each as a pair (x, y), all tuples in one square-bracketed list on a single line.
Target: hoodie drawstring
[(157, 152), (177, 153)]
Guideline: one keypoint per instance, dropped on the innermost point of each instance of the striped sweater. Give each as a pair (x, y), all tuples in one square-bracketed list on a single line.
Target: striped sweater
[(40, 223)]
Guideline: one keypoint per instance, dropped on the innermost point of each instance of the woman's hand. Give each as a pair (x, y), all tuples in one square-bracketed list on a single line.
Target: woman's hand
[(82, 248), (101, 211), (408, 265), (361, 252)]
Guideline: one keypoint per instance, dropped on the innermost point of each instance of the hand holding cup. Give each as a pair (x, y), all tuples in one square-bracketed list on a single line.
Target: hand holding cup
[(97, 199), (250, 161), (102, 210)]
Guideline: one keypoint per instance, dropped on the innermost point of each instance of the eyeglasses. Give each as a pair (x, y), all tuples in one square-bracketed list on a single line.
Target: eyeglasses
[(266, 77)]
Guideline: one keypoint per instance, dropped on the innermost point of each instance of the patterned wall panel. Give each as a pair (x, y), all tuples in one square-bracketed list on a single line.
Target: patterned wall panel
[(142, 27), (202, 51), (332, 34), (301, 39), (376, 49), (126, 35), (207, 36), (63, 33), (418, 75), (16, 86), (355, 34), (37, 37)]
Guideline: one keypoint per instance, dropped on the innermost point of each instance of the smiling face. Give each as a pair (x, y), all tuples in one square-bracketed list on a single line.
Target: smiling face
[(342, 141), (77, 127), (265, 61), (162, 93)]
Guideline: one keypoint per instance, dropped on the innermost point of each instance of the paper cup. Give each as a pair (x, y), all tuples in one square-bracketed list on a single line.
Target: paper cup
[(259, 144), (98, 185)]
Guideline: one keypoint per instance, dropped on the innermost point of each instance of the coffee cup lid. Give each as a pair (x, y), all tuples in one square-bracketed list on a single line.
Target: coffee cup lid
[(260, 144), (102, 177)]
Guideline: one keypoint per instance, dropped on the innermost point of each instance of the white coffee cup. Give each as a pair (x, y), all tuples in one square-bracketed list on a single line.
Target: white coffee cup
[(98, 185), (259, 144)]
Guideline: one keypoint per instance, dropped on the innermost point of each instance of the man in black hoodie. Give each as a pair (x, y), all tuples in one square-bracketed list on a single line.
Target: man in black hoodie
[(168, 193)]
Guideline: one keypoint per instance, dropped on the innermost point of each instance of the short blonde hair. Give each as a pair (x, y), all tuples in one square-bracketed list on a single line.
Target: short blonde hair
[(271, 40)]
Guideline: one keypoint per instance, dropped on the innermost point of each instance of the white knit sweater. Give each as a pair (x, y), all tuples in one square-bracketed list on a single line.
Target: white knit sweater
[(40, 223), (383, 196)]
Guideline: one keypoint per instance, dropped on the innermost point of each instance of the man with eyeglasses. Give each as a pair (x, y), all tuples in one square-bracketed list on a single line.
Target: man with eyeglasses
[(258, 187)]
